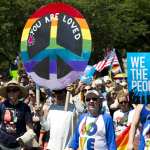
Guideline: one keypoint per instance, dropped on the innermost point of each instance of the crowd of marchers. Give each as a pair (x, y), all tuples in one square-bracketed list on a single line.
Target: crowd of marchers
[(83, 116)]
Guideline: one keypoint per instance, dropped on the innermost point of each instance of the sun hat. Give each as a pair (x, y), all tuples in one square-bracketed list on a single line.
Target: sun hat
[(13, 83)]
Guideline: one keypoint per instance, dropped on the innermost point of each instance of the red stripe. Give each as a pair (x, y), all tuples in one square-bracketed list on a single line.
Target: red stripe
[(110, 60), (57, 7), (123, 135)]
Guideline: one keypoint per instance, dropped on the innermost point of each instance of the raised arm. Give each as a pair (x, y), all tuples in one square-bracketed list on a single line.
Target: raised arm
[(134, 126)]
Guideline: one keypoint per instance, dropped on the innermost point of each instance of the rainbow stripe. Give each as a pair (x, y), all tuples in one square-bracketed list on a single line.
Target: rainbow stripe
[(122, 139), (54, 51), (86, 36)]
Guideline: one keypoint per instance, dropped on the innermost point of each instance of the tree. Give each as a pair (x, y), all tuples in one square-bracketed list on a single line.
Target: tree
[(113, 23)]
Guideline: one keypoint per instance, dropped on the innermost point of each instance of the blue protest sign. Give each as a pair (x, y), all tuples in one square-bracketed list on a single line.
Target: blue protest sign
[(138, 65)]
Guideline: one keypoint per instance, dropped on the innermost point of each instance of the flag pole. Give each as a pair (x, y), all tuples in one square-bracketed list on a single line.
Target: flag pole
[(110, 67), (37, 95)]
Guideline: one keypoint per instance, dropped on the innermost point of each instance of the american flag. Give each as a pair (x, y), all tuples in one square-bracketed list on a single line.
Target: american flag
[(115, 60), (110, 60), (115, 66), (107, 61)]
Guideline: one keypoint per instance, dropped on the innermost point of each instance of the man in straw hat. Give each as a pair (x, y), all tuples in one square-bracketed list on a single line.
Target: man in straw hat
[(95, 129), (15, 116)]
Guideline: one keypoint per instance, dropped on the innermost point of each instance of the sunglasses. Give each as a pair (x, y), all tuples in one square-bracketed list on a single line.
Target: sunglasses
[(93, 98), (123, 102), (13, 90), (85, 90)]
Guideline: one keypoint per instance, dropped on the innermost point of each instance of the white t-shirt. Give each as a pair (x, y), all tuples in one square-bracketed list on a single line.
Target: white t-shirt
[(97, 132), (59, 123), (122, 120)]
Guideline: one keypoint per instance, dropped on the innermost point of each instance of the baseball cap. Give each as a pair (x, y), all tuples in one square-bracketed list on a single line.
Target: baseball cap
[(94, 93)]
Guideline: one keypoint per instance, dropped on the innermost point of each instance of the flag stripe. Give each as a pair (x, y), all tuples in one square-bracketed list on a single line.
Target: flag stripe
[(110, 60), (122, 139), (106, 62)]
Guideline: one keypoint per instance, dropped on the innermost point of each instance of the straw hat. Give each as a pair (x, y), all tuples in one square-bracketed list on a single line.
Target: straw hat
[(13, 83)]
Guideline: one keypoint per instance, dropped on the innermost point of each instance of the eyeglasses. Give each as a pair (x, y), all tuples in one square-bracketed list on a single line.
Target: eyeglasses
[(12, 90), (123, 102), (93, 98)]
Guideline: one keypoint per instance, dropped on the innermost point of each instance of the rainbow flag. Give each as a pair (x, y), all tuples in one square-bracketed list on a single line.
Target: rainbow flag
[(122, 139), (116, 69)]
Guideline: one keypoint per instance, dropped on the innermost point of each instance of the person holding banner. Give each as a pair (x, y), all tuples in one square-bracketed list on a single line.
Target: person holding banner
[(95, 129), (15, 117), (59, 122), (142, 115)]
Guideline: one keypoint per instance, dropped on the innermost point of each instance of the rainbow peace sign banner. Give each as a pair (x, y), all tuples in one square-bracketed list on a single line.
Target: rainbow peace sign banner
[(55, 45)]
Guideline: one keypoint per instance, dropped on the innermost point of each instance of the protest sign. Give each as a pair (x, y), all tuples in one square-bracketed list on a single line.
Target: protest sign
[(139, 77), (55, 45)]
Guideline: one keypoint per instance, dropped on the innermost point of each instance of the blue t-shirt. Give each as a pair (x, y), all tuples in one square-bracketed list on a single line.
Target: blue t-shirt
[(94, 133), (13, 121)]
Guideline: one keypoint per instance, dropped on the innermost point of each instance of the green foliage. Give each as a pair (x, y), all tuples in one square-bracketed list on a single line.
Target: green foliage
[(117, 23), (113, 23)]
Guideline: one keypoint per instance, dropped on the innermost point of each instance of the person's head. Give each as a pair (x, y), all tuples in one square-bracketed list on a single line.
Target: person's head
[(113, 94), (32, 97), (13, 91), (98, 83), (60, 96), (24, 79), (1, 77), (80, 87), (123, 100), (1, 80), (49, 101), (1, 99), (93, 101), (107, 81), (124, 84), (87, 88)]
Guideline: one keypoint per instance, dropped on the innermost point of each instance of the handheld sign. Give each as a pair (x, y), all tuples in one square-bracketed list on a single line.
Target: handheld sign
[(55, 45), (139, 77)]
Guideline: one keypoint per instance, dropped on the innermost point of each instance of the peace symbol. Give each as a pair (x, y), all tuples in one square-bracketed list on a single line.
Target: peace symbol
[(54, 50)]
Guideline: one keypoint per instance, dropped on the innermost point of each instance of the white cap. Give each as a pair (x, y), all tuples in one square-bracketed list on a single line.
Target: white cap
[(95, 92)]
